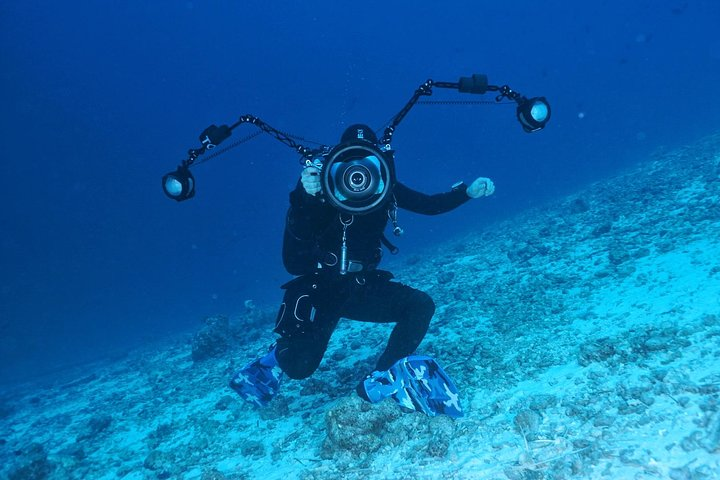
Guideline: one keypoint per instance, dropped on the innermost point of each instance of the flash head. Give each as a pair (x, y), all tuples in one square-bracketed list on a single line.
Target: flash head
[(533, 113), (180, 184)]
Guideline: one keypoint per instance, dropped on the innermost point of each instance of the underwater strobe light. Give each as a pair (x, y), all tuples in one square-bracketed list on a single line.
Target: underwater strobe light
[(357, 177), (180, 184), (533, 113)]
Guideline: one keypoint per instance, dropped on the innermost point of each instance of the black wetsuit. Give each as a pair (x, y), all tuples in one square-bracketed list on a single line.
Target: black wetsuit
[(316, 300)]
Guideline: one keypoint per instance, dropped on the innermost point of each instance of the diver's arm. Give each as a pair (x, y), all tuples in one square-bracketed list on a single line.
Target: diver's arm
[(418, 202), (430, 204), (306, 218), (308, 214)]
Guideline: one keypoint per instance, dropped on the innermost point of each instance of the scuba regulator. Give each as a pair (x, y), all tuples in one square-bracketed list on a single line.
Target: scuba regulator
[(357, 175)]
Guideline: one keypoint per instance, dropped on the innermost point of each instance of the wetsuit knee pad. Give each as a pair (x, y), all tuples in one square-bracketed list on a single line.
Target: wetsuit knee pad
[(296, 315)]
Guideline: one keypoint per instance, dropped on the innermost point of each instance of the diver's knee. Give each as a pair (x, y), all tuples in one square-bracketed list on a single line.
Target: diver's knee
[(298, 370), (425, 305), (297, 374)]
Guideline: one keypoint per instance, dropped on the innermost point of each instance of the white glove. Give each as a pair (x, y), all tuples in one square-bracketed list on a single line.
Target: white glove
[(481, 187), (310, 179)]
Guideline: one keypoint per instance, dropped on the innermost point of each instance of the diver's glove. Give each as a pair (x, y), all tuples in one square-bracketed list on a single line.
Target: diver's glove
[(310, 179), (481, 187)]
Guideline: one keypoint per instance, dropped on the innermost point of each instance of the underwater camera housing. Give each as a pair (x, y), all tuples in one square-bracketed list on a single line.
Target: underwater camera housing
[(357, 175)]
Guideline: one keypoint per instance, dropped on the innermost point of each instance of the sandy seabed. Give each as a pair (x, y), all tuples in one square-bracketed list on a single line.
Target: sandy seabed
[(584, 336)]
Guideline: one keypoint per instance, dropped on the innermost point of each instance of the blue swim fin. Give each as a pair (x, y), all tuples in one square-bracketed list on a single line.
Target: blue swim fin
[(259, 381), (417, 383)]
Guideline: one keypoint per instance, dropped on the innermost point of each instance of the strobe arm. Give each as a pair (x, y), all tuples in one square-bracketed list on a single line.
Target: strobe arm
[(180, 184), (532, 113), (478, 83), (213, 135)]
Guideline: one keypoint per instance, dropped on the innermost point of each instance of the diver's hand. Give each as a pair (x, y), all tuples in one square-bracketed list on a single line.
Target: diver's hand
[(310, 179), (481, 187)]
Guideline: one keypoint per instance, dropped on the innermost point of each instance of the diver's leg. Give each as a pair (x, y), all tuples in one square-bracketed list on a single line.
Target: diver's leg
[(306, 320), (416, 382), (304, 335), (383, 301), (300, 355)]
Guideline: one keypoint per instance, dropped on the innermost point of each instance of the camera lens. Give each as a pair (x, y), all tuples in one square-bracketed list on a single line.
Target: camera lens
[(357, 178)]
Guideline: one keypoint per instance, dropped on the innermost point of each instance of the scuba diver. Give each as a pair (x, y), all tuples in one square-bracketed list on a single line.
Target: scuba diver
[(332, 243), (335, 256)]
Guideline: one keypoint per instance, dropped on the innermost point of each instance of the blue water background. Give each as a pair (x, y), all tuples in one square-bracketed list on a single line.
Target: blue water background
[(100, 99)]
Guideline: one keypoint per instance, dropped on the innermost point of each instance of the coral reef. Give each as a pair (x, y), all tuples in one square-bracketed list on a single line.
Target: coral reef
[(212, 340)]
